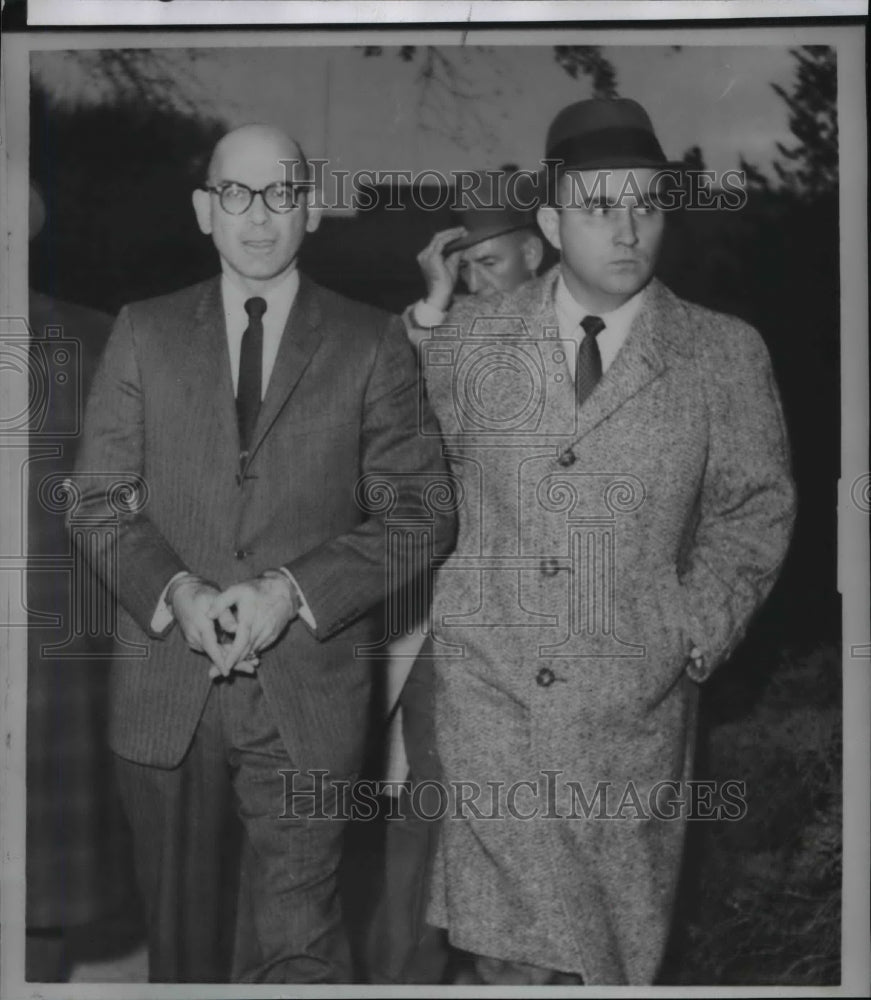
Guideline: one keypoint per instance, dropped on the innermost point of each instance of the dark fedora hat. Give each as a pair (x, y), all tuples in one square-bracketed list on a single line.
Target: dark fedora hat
[(603, 133), (502, 201)]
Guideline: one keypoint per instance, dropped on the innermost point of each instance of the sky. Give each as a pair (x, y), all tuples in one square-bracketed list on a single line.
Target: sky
[(376, 113)]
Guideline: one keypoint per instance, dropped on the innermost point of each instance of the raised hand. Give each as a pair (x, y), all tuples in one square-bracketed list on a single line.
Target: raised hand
[(262, 608), (440, 271)]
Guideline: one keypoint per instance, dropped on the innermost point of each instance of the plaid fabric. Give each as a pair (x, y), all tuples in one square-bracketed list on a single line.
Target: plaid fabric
[(78, 854)]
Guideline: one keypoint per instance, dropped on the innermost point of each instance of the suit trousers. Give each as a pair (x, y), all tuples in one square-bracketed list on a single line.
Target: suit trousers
[(217, 840), (404, 948)]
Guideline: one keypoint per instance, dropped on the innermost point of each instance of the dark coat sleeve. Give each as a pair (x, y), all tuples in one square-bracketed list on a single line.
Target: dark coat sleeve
[(402, 476), (110, 481)]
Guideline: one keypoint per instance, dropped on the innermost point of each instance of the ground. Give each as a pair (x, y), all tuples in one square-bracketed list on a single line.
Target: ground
[(761, 899)]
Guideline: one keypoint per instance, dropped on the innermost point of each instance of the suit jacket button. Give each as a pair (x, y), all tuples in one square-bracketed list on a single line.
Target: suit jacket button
[(545, 677), (567, 458), (240, 553), (549, 567)]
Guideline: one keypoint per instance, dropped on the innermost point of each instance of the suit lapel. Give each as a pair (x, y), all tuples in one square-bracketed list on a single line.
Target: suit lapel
[(300, 340), (207, 356)]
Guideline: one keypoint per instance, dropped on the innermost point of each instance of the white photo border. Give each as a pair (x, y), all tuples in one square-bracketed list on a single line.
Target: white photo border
[(853, 566)]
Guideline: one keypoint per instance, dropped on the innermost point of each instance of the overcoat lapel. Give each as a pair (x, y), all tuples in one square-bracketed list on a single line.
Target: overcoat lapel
[(638, 362), (301, 338), (642, 358), (558, 406)]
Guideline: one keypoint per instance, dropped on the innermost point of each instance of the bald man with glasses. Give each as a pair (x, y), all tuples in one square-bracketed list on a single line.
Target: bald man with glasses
[(246, 415)]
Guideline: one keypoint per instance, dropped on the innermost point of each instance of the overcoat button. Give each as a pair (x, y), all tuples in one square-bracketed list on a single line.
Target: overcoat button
[(549, 567), (695, 669), (567, 458), (545, 677)]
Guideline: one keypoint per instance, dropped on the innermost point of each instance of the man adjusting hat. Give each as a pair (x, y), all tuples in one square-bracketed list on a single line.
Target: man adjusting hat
[(494, 247)]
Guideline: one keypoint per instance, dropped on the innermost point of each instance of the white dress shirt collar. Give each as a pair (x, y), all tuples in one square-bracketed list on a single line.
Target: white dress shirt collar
[(570, 312), (279, 302)]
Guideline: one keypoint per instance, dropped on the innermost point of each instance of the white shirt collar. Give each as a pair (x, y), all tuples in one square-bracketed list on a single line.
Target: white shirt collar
[(570, 312), (279, 302)]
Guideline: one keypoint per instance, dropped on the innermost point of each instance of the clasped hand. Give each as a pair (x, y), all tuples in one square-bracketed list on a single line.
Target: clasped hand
[(253, 613)]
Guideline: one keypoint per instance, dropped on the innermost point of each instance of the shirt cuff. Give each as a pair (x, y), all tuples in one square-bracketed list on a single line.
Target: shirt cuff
[(305, 612), (396, 772), (163, 616), (426, 315)]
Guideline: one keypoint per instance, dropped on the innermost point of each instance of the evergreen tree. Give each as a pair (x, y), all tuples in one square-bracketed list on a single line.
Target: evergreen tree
[(810, 168), (588, 60)]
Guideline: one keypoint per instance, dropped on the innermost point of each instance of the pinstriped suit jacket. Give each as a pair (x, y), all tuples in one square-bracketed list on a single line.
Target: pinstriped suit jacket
[(342, 403)]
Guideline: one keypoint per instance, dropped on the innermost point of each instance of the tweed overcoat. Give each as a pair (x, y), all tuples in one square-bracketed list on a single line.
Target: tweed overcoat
[(340, 440), (597, 545)]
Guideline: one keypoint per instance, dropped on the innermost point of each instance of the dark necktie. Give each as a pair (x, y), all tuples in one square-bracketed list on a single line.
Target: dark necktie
[(250, 372), (588, 370)]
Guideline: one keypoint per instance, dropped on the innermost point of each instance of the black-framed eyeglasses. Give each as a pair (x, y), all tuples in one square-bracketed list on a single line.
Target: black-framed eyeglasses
[(236, 198)]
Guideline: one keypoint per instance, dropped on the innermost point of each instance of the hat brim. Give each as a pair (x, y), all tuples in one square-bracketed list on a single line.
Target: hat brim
[(476, 236), (615, 163), (550, 175)]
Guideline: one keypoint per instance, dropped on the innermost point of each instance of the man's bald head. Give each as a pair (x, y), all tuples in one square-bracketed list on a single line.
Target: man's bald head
[(257, 232), (258, 141)]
